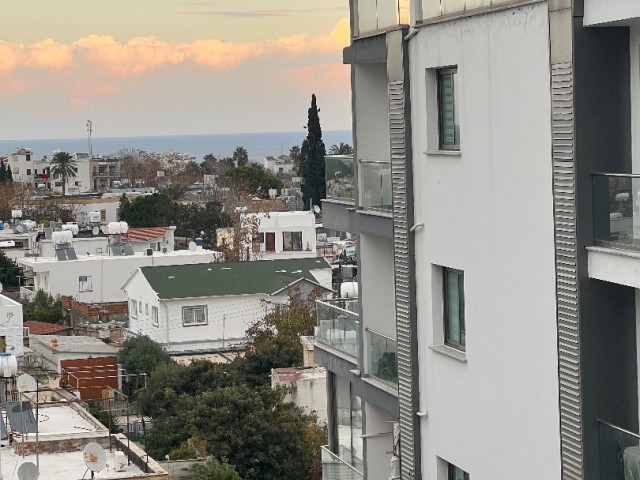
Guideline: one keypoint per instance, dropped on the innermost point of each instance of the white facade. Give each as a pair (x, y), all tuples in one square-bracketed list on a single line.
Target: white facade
[(287, 234), (11, 333), (486, 209), (309, 389), (99, 278), (279, 165)]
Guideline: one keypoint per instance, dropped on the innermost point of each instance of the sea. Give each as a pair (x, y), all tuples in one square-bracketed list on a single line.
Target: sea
[(258, 145)]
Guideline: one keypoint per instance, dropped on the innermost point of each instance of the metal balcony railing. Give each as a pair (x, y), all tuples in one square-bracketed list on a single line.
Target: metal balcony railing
[(334, 468), (619, 451), (616, 210)]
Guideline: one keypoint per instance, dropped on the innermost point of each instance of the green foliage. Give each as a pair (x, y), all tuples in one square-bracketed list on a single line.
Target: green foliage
[(312, 159), (194, 218), (43, 308), (240, 156), (213, 471), (342, 149), (9, 174), (9, 271), (175, 191), (254, 180), (63, 166), (268, 353), (3, 172), (150, 211), (103, 416), (142, 355)]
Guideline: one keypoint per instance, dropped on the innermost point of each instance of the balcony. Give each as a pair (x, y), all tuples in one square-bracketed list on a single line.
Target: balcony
[(334, 468), (338, 325), (616, 211), (340, 177), (619, 452), (27, 293), (375, 185), (381, 351), (378, 15)]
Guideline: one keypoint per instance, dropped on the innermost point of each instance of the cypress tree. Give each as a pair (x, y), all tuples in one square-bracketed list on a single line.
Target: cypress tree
[(9, 174), (3, 172), (312, 156)]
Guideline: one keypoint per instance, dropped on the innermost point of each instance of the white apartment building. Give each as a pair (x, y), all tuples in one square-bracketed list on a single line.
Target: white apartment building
[(11, 327), (492, 174)]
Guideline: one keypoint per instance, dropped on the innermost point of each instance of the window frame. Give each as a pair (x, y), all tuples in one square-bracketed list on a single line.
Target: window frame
[(155, 317), (133, 308), (292, 243), (451, 472), (87, 283), (440, 72), (192, 309), (462, 344)]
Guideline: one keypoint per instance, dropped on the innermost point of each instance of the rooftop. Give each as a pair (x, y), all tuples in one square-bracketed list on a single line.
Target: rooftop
[(142, 234), (73, 344), (35, 261), (44, 328), (239, 278)]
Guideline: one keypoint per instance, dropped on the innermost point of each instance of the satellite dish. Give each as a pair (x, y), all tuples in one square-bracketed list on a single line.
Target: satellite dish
[(95, 230), (94, 457), (27, 385), (316, 209), (28, 471), (192, 246), (20, 229)]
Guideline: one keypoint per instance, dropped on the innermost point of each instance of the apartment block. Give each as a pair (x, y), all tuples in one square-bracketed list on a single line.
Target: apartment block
[(493, 194)]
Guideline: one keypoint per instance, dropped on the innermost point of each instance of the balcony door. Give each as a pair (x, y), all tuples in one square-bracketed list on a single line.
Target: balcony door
[(270, 241)]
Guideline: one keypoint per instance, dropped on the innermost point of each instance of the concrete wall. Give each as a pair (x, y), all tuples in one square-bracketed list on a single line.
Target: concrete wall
[(11, 325), (372, 111), (304, 222), (602, 12), (492, 411), (378, 442)]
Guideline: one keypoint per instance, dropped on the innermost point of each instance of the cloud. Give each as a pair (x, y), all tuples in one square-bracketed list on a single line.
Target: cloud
[(254, 13), (325, 75), (108, 56)]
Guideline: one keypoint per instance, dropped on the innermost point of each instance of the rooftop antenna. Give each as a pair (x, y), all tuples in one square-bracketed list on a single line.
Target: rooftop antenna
[(89, 131), (95, 458)]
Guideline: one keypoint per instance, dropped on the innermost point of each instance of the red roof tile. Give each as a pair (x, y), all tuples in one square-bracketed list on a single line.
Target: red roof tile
[(145, 234), (44, 328)]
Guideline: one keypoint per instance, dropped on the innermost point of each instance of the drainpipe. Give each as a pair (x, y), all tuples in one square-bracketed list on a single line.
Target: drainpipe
[(166, 314)]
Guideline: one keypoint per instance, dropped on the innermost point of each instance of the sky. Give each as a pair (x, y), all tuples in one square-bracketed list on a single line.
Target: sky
[(170, 67)]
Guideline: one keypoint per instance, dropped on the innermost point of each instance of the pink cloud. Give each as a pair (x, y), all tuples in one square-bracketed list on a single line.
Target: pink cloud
[(48, 54), (9, 56), (329, 75)]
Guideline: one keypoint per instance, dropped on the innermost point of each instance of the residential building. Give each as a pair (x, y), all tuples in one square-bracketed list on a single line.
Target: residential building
[(308, 389), (281, 164), (11, 327), (209, 307), (497, 136)]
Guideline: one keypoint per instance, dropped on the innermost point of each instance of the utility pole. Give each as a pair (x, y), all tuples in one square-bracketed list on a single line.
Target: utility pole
[(89, 130)]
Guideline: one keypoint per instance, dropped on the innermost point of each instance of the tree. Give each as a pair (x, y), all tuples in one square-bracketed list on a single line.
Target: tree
[(294, 153), (63, 166), (142, 355), (212, 470), (240, 156), (3, 172), (9, 174), (312, 159), (43, 307), (9, 271), (342, 149), (150, 211)]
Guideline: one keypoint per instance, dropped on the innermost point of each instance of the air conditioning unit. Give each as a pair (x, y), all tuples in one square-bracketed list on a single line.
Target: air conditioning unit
[(149, 252), (120, 461)]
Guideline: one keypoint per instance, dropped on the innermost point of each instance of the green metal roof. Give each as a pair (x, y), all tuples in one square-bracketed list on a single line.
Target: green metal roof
[(239, 278)]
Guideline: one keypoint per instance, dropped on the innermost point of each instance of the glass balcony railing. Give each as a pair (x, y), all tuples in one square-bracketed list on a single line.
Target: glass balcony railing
[(334, 468), (381, 351), (619, 452), (374, 15), (338, 324), (375, 184), (616, 210), (340, 177)]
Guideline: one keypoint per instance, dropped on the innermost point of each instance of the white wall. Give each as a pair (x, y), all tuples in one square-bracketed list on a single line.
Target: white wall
[(599, 12), (378, 443), (280, 222), (108, 274), (372, 110), (11, 325), (489, 212)]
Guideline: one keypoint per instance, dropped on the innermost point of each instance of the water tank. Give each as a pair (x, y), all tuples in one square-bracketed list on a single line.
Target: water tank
[(349, 290), (66, 236), (94, 217), (124, 227), (199, 241), (114, 228), (8, 365), (71, 227), (16, 213)]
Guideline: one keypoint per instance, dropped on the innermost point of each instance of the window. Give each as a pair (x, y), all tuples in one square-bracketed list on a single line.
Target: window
[(456, 473), (292, 241), (194, 315), (103, 215), (140, 307), (84, 284), (280, 308), (146, 309), (28, 171), (261, 237), (154, 316), (454, 329), (133, 308), (448, 117)]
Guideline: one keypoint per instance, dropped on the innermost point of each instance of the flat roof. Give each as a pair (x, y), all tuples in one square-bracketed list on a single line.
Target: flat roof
[(33, 261), (74, 344)]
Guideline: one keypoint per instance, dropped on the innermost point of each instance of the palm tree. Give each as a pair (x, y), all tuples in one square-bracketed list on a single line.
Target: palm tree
[(63, 166), (240, 156), (342, 149)]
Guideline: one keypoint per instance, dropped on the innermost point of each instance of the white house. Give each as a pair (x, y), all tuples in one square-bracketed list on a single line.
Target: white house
[(190, 308), (97, 278), (279, 165), (286, 235), (11, 332)]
